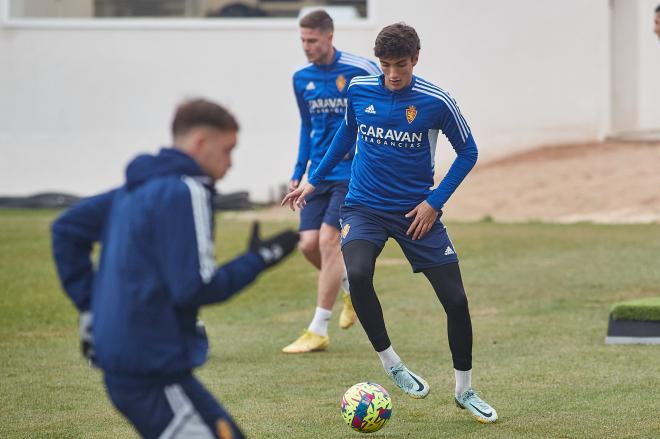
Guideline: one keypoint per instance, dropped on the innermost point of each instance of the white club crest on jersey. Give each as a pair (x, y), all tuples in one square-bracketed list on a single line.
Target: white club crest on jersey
[(370, 109), (310, 86)]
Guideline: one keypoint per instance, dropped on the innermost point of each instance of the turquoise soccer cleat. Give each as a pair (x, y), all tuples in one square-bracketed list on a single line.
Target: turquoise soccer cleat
[(480, 409), (413, 385)]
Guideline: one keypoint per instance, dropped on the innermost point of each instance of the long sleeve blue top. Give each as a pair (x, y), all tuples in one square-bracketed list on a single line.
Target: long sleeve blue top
[(397, 133), (320, 92)]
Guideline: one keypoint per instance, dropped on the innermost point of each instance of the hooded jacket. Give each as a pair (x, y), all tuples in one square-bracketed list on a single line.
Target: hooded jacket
[(157, 267)]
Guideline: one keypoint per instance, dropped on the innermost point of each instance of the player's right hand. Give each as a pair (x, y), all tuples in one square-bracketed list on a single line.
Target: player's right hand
[(297, 196), (86, 336), (293, 185), (275, 248)]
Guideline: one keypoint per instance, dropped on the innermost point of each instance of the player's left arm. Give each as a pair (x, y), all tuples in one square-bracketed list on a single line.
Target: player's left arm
[(185, 250), (457, 131)]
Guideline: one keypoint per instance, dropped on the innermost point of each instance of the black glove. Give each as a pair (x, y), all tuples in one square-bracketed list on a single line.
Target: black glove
[(274, 249), (86, 336)]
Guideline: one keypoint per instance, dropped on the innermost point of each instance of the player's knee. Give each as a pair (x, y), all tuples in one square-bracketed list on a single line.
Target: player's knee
[(359, 276), (456, 302), (308, 247), (329, 245)]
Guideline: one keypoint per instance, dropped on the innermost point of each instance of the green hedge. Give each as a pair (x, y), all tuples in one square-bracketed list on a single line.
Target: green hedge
[(640, 309)]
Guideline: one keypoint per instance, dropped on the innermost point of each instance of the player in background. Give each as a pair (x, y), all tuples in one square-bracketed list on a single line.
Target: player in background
[(138, 310), (657, 21), (396, 117), (320, 90)]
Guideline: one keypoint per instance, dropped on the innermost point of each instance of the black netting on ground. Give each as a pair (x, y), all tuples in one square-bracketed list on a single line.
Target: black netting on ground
[(51, 200)]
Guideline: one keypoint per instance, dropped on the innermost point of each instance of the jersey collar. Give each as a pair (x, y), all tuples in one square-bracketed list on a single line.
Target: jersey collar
[(332, 63), (403, 91)]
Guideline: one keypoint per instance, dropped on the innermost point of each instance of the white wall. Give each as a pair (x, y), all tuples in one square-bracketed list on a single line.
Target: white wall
[(649, 67), (625, 53), (76, 104), (635, 67)]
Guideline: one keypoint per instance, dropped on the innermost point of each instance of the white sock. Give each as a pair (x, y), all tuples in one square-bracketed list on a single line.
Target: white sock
[(389, 358), (344, 283), (463, 380), (319, 324)]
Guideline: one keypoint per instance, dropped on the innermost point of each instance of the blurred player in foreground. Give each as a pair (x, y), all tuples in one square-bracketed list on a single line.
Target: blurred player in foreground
[(138, 311), (396, 117), (320, 89)]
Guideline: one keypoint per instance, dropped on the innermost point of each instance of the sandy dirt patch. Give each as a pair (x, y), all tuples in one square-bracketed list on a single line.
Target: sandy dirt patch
[(606, 182), (611, 182)]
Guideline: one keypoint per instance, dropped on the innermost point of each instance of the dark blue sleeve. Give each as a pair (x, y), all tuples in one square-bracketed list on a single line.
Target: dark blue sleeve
[(305, 142), (74, 233), (230, 278), (452, 124), (186, 252), (342, 144)]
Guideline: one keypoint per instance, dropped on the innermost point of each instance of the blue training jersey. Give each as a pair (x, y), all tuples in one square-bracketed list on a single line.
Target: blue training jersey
[(321, 96), (397, 133)]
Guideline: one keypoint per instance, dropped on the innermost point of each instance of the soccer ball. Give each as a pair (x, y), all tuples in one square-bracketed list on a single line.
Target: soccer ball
[(366, 407)]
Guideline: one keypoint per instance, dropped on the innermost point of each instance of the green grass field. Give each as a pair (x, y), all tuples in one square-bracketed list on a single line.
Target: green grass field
[(539, 296), (638, 309)]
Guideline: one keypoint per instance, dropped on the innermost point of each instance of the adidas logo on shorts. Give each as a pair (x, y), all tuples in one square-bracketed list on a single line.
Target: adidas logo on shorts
[(449, 251)]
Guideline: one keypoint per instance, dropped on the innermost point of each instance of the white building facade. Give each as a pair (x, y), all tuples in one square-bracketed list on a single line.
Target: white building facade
[(80, 97)]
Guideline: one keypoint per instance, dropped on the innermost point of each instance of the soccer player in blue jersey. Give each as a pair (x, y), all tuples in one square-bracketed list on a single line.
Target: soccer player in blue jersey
[(320, 90), (396, 117), (138, 310)]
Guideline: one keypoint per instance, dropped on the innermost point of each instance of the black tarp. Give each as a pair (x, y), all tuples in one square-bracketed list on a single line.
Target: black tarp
[(56, 200)]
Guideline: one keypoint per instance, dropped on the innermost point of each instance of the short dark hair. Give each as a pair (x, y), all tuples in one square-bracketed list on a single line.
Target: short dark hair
[(396, 41), (200, 112), (657, 10), (318, 20)]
